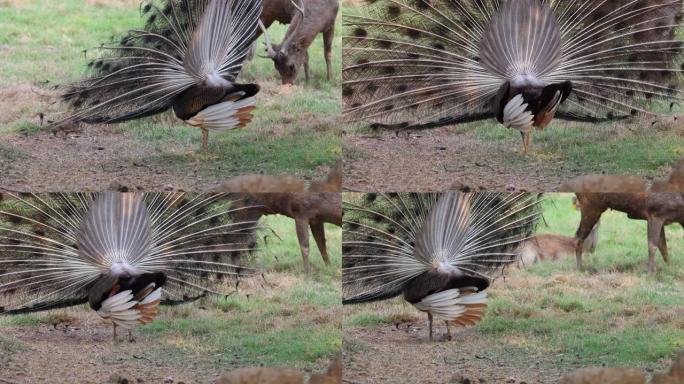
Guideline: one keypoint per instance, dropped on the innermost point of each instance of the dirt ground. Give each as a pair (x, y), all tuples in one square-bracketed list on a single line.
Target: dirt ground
[(91, 164), (445, 159), (101, 157), (84, 351), (403, 354), (439, 159)]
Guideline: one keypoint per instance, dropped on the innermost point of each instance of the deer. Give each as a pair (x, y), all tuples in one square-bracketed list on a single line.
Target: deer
[(282, 11), (553, 247), (318, 16), (656, 206), (310, 208)]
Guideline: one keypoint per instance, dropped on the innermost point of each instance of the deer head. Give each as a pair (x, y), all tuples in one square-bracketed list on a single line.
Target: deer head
[(289, 55)]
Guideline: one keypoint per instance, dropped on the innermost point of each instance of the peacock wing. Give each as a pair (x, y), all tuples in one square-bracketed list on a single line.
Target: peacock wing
[(116, 233), (378, 240), (522, 43), (499, 225), (389, 240)]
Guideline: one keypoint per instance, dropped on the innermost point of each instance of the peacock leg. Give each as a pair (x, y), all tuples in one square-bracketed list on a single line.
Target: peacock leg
[(205, 140), (526, 136), (130, 336), (448, 331), (115, 340), (430, 324)]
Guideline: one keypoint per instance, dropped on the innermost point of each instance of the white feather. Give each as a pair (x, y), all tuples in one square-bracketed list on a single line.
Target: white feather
[(451, 304), (154, 296), (119, 308), (117, 301), (220, 117), (516, 115)]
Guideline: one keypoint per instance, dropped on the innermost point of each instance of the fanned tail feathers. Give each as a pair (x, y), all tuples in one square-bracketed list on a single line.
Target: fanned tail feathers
[(183, 44), (53, 248), (390, 239), (426, 63)]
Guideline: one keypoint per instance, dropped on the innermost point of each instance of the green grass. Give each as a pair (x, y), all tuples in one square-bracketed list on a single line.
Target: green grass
[(622, 243), (29, 320), (587, 148), (293, 132), (581, 148), (613, 313)]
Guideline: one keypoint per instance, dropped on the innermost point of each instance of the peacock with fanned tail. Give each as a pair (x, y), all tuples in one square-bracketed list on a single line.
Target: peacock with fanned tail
[(122, 253), (187, 58), (440, 251), (429, 63)]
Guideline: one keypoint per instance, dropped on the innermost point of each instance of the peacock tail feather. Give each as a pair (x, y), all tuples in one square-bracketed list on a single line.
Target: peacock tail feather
[(54, 247), (425, 63), (390, 239)]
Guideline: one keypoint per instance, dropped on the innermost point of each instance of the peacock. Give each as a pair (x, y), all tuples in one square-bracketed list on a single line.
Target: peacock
[(122, 253), (429, 63), (439, 250), (187, 57)]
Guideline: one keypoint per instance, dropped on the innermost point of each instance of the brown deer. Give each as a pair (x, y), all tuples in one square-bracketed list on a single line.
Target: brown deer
[(282, 11), (554, 247), (657, 208), (309, 208), (307, 19)]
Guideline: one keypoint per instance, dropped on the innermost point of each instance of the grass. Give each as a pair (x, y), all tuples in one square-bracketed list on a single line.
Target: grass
[(587, 148), (294, 130), (614, 313), (283, 319)]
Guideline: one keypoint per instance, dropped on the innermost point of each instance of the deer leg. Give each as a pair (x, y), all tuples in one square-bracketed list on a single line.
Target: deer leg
[(587, 223), (655, 225), (318, 231), (430, 324), (303, 237), (662, 246), (328, 37), (307, 74)]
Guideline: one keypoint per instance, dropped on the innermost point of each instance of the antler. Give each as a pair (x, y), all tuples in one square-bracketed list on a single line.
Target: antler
[(292, 31), (289, 35), (270, 52), (299, 8)]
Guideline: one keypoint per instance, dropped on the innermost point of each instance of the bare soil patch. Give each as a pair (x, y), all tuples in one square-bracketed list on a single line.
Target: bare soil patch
[(97, 158), (403, 354), (85, 353), (438, 160)]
